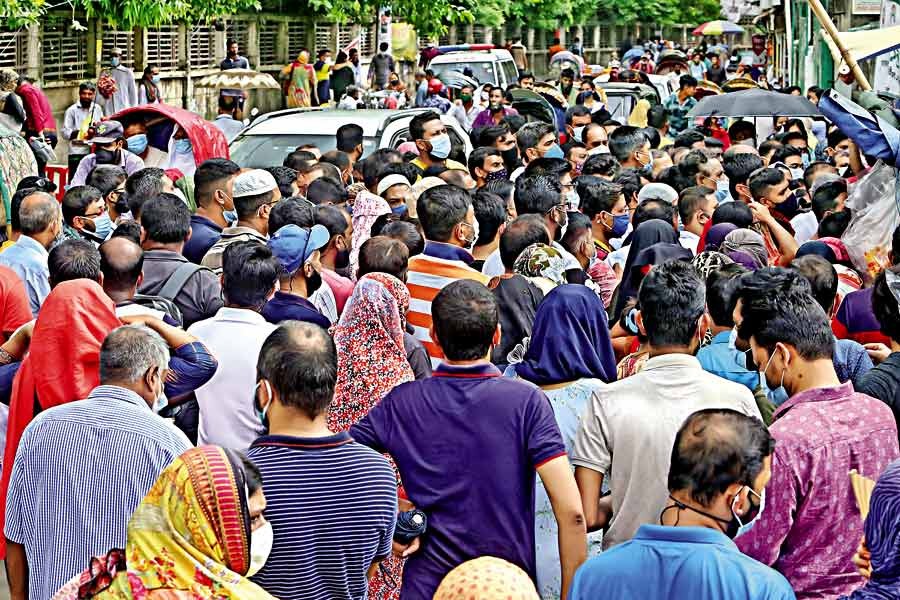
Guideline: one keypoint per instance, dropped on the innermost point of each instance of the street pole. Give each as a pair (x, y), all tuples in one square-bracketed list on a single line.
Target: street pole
[(832, 31)]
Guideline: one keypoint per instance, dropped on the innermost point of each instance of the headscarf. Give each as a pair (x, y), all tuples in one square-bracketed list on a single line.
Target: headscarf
[(369, 340), (190, 534), (366, 209), (543, 265), (709, 261), (745, 260), (638, 116), (647, 234), (750, 242), (882, 530), (840, 250), (570, 339), (63, 360), (716, 235), (486, 578), (186, 163)]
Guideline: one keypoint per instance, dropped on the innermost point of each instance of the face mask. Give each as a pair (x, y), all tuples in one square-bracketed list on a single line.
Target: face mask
[(161, 401), (561, 228), (779, 394), (137, 143), (722, 189), (121, 206), (313, 283), (465, 97), (342, 258), (85, 103), (497, 175), (156, 79), (470, 242), (495, 107), (620, 226), (261, 542), (510, 158), (806, 160), (750, 517), (572, 201), (114, 61), (554, 152), (103, 226), (440, 146), (399, 210), (108, 157), (261, 413), (230, 216), (601, 149), (577, 133), (789, 207), (797, 173), (646, 171), (183, 146)]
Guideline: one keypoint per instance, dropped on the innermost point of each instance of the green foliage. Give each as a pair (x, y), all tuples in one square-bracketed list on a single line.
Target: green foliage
[(660, 12), (131, 13)]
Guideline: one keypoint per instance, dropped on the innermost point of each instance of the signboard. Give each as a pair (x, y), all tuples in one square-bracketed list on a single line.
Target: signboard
[(866, 7), (887, 66)]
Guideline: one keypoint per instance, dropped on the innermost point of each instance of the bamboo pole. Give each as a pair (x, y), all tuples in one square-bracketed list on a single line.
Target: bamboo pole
[(828, 24)]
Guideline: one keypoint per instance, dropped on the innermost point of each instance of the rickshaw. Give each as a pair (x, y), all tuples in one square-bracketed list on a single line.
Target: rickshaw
[(738, 83), (671, 61), (706, 88), (533, 106), (565, 60)]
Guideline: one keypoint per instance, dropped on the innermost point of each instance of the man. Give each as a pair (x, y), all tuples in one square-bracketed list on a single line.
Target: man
[(632, 149), (306, 467), (448, 222), (84, 215), (233, 60), (467, 411), (78, 120), (464, 108), (40, 222), (823, 424), (697, 67), (350, 141), (137, 143), (322, 69), (526, 80), (595, 138), (286, 178), (39, 119), (335, 255), (566, 86), (721, 463), (48, 537), (774, 204), (604, 204), (214, 191), (121, 263), (254, 193), (738, 168), (435, 97), (696, 206), (381, 67), (125, 95), (502, 139), (422, 78), (536, 140), (543, 195), (495, 111), (234, 336), (486, 164), (680, 104), (397, 192), (109, 149), (555, 47), (577, 118), (642, 413), (520, 56), (109, 180), (225, 120), (432, 141), (196, 291), (354, 62), (490, 213), (144, 185), (297, 251), (840, 150), (882, 381)]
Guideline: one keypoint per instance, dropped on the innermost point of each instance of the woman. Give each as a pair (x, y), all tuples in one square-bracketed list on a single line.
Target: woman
[(341, 76), (486, 578), (747, 242), (569, 356), (543, 265), (647, 234), (12, 113), (367, 207), (638, 116), (716, 235), (198, 533), (299, 82), (148, 86)]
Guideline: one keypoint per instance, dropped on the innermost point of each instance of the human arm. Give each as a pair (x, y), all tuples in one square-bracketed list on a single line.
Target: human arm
[(877, 351), (372, 430), (15, 348), (592, 456), (556, 475), (856, 164), (16, 570), (785, 241), (862, 560), (70, 124)]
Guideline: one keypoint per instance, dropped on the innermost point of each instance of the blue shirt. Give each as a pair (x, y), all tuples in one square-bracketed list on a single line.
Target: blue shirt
[(466, 442), (333, 505), (28, 258), (678, 562), (289, 307), (80, 471), (728, 363), (851, 361), (204, 233)]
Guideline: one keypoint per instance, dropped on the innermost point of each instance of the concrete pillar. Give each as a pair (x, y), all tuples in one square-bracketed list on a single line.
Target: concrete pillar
[(253, 43), (94, 43), (281, 50), (34, 66), (140, 48)]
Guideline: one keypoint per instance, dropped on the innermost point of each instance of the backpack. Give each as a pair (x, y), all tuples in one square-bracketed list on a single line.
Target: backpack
[(165, 300)]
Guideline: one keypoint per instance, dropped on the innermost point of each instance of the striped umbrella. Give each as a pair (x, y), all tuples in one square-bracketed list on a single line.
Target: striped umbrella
[(718, 28), (239, 79)]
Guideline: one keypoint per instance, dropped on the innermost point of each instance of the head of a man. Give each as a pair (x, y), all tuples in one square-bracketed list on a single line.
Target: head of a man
[(672, 308), (249, 274), (74, 259), (522, 232), (696, 206), (255, 193), (486, 164), (770, 186), (296, 373), (298, 252), (40, 218), (490, 212), (336, 253), (579, 239), (722, 287), (383, 254), (738, 168), (630, 147), (430, 135), (136, 358), (84, 210), (350, 140), (122, 265), (603, 202), (543, 195), (447, 216), (166, 223), (108, 142), (144, 185), (214, 189), (822, 278), (110, 180), (466, 321), (535, 140)]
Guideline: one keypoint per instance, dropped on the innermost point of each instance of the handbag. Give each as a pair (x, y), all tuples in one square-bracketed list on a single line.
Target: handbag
[(42, 149)]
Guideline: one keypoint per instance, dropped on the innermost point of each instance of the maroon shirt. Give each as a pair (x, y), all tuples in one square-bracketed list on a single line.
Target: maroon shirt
[(37, 107)]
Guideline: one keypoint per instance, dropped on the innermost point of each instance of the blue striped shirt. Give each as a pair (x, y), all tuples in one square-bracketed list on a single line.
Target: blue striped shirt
[(80, 471), (333, 505)]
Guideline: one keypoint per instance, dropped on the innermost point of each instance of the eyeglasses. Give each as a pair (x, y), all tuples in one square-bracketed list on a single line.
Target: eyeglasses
[(95, 215)]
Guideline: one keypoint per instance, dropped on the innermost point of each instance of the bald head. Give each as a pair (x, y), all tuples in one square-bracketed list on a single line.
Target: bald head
[(740, 149), (39, 214), (121, 262)]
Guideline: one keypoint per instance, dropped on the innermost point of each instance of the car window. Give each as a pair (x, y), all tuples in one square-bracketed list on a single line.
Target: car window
[(510, 70), (259, 151), (483, 71), (619, 106)]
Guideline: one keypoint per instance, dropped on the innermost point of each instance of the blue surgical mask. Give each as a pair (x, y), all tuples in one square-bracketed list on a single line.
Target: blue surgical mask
[(779, 395), (114, 61), (183, 146), (103, 226), (722, 190), (231, 216), (745, 527), (137, 143), (572, 200), (399, 210), (620, 225), (440, 146), (554, 152), (156, 79)]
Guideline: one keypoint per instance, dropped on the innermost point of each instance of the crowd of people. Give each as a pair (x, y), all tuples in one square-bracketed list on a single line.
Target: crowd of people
[(630, 360)]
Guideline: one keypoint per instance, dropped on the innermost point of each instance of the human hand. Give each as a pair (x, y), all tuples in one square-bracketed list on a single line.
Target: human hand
[(863, 559), (405, 550), (878, 352), (760, 212)]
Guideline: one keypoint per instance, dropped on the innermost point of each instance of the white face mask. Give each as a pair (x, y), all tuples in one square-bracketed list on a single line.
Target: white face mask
[(261, 542), (161, 401)]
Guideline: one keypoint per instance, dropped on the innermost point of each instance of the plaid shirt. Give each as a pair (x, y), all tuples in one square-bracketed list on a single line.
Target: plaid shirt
[(677, 113)]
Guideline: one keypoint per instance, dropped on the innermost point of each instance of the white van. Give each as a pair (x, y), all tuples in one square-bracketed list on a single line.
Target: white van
[(496, 67)]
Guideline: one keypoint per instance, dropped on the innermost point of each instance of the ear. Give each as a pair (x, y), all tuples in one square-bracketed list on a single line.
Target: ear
[(743, 191), (531, 154), (140, 280), (736, 495), (639, 321), (143, 236), (189, 234), (480, 173), (433, 335), (498, 334)]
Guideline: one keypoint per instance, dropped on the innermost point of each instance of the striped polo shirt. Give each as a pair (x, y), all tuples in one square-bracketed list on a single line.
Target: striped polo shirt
[(437, 267), (333, 505)]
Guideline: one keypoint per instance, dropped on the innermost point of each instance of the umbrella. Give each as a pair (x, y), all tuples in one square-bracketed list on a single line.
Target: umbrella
[(874, 136), (754, 103), (718, 28), (239, 79)]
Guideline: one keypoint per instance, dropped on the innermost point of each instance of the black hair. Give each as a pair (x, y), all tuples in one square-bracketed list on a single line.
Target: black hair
[(835, 224), (716, 448), (247, 206), (777, 306), (299, 159), (656, 117), (210, 175), (440, 209), (597, 195), (284, 177), (769, 146), (825, 198), (821, 276), (763, 180), (336, 158), (375, 163), (417, 123), (692, 164), (349, 136), (737, 213), (835, 136), (552, 167), (739, 127), (477, 157), (76, 201), (514, 122), (332, 218), (785, 152), (738, 168), (141, 186), (601, 164), (465, 320), (166, 219), (299, 360), (521, 233), (488, 136), (578, 224), (815, 167), (383, 254), (653, 208), (407, 231), (106, 178), (537, 194), (130, 230), (722, 286), (631, 183), (672, 298), (73, 259), (408, 170), (325, 190), (687, 139), (530, 134), (291, 211), (690, 200), (652, 135), (579, 110), (885, 305), (686, 81), (249, 273), (490, 212), (502, 187), (625, 140), (121, 270)]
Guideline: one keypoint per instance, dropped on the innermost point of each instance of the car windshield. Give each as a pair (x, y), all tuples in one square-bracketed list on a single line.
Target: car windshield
[(259, 151), (482, 71), (620, 105)]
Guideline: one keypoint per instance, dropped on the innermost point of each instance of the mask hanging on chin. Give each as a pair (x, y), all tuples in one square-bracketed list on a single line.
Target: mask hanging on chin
[(261, 542), (342, 258), (313, 283)]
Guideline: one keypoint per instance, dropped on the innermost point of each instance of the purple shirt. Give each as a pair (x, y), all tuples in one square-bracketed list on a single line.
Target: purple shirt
[(811, 525), (130, 162), (466, 442), (486, 119)]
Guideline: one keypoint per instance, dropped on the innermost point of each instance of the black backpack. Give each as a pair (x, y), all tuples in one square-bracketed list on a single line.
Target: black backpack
[(165, 300)]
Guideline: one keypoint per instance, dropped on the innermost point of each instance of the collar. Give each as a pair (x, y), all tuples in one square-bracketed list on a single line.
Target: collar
[(241, 230), (229, 117), (689, 535), (200, 219), (447, 252), (672, 360), (239, 315), (721, 338), (483, 370), (163, 254), (107, 392), (823, 394), (303, 443), (688, 235), (293, 298), (32, 244)]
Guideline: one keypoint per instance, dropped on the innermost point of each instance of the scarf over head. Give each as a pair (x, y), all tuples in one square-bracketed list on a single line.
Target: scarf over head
[(366, 209), (647, 234), (716, 235), (486, 578), (749, 242)]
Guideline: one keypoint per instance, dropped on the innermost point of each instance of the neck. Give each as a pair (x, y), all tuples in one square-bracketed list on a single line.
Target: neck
[(151, 245), (600, 232), (328, 260), (676, 517), (258, 225), (44, 238), (695, 228), (118, 296), (428, 161), (895, 346), (295, 423), (716, 329), (482, 252), (663, 350), (296, 286), (255, 309), (212, 214), (682, 96), (817, 373), (468, 363), (128, 385)]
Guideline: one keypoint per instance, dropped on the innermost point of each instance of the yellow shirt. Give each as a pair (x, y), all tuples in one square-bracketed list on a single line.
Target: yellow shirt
[(450, 164)]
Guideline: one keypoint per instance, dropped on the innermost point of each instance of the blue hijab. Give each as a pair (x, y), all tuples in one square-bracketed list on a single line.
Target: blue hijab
[(570, 339)]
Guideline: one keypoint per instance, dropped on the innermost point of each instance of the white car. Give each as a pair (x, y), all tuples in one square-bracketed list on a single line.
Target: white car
[(271, 137), (496, 67)]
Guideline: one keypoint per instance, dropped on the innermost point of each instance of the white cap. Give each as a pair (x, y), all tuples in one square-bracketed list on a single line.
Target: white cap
[(253, 183), (658, 191), (390, 181)]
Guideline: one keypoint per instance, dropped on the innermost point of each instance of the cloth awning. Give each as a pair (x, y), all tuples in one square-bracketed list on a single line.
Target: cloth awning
[(865, 44)]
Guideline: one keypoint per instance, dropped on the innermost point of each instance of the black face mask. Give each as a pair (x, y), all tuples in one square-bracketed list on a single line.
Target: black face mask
[(108, 157), (313, 283), (122, 204), (510, 158), (342, 259)]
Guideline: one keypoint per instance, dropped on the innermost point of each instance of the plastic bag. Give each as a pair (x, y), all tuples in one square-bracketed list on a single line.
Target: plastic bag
[(875, 217)]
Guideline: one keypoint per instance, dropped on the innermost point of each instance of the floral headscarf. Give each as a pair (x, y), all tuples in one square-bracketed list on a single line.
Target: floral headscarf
[(542, 261), (486, 578), (366, 209)]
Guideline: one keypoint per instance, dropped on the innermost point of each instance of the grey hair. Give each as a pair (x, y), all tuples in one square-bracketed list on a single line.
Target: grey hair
[(35, 217), (9, 79), (128, 352)]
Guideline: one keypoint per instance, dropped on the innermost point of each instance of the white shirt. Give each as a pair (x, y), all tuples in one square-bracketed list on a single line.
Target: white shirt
[(805, 227), (325, 302), (229, 126), (493, 266), (227, 416), (74, 117), (618, 257), (689, 240)]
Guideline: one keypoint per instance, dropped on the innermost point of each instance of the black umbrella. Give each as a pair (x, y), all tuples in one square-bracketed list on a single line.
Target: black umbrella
[(754, 103)]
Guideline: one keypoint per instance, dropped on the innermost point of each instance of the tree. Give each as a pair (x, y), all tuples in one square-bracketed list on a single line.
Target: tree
[(130, 13)]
